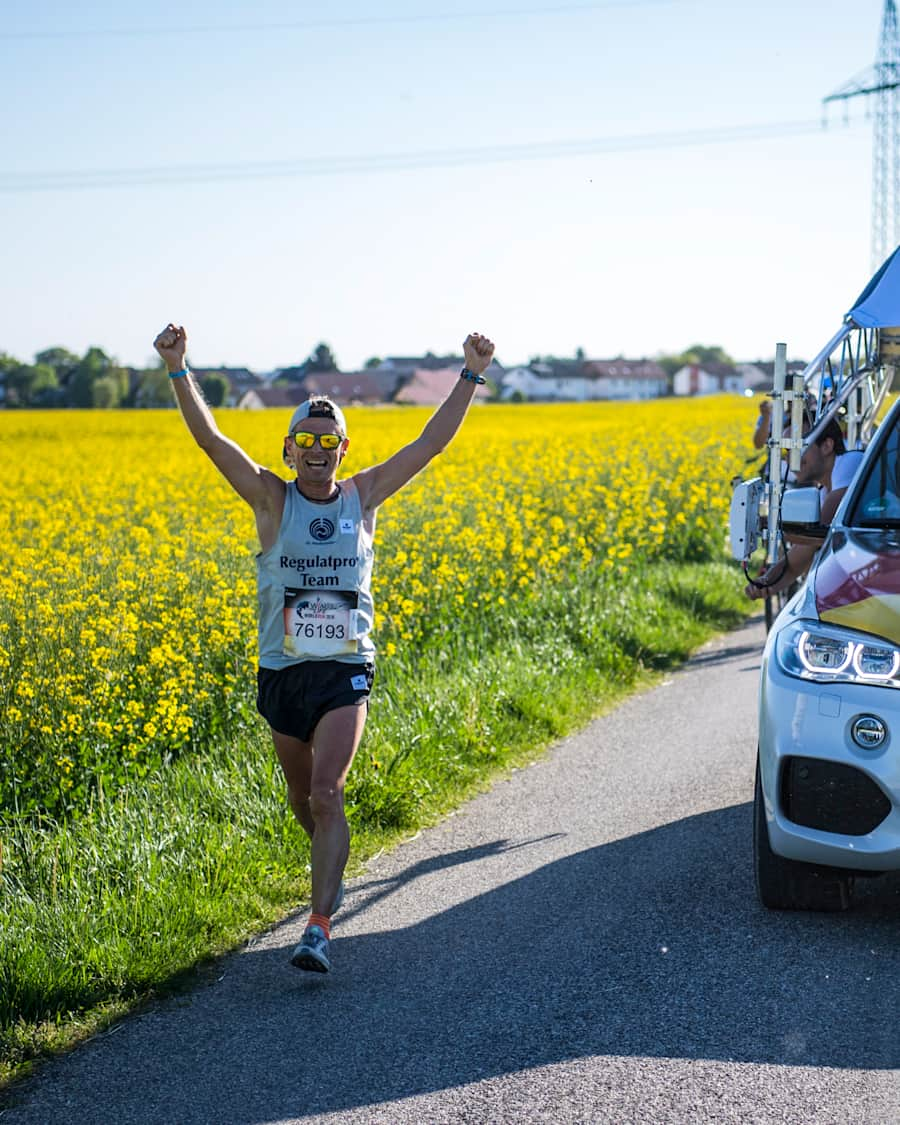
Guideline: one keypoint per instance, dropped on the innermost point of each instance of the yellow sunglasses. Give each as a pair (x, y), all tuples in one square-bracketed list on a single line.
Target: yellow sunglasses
[(306, 440)]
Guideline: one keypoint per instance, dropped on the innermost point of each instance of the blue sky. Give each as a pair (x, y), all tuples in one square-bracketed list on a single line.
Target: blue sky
[(633, 247)]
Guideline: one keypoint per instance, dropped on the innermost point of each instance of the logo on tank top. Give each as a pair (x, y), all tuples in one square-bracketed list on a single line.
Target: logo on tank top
[(321, 529)]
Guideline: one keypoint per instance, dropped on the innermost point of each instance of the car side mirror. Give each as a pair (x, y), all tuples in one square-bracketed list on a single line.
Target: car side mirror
[(801, 513)]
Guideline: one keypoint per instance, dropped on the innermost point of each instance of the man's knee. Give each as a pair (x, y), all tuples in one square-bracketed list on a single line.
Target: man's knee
[(326, 802), (298, 799)]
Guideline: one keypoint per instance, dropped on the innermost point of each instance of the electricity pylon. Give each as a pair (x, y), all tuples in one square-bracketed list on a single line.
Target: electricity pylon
[(881, 82)]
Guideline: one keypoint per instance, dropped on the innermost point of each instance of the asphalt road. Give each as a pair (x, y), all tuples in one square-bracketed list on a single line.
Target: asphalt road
[(581, 944)]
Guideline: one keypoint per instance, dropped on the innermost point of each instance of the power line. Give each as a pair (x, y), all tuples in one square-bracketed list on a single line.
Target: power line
[(309, 25), (87, 178)]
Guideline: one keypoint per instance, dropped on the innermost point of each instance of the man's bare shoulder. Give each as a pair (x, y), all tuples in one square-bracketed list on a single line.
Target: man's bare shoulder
[(272, 490), (362, 482)]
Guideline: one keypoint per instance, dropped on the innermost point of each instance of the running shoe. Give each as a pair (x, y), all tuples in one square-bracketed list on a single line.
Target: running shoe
[(312, 952), (338, 898)]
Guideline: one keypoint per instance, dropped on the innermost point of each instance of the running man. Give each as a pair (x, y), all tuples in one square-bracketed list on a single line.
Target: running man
[(316, 657)]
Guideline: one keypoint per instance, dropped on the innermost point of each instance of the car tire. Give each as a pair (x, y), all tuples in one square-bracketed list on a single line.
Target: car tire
[(787, 884)]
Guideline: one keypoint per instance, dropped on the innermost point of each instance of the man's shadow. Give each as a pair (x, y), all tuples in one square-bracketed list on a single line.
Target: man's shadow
[(651, 946)]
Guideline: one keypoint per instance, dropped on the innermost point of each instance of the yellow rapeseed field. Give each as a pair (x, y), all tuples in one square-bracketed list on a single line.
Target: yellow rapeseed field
[(127, 591)]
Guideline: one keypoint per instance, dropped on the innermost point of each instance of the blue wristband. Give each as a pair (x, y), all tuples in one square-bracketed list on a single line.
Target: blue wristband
[(470, 376), (179, 374)]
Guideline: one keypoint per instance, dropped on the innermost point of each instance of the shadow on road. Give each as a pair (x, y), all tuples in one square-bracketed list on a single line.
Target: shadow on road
[(367, 891), (723, 655), (651, 946)]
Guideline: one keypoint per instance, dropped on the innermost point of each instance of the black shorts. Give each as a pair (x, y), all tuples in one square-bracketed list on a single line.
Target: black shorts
[(292, 700)]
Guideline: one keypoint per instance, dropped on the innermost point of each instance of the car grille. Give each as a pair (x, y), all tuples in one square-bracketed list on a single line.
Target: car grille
[(831, 797)]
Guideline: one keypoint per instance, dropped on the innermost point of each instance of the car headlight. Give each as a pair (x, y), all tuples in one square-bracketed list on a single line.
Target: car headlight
[(814, 650)]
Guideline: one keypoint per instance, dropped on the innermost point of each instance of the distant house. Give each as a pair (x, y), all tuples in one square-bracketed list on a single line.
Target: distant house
[(707, 379), (753, 378), (428, 387), (240, 380), (624, 379), (295, 374), (760, 375), (407, 365), (347, 387), (262, 398), (134, 375), (584, 381), (542, 382)]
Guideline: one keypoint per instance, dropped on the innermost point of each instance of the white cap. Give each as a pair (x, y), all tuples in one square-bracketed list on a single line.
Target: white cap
[(303, 411)]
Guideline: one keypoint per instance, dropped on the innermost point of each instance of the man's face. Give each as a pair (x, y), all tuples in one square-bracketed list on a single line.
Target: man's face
[(814, 463), (315, 464)]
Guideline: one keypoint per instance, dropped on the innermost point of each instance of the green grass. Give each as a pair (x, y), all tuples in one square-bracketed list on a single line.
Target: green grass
[(124, 902)]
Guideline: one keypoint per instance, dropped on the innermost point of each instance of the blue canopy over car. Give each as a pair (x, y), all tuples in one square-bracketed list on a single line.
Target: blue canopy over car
[(851, 375), (878, 306)]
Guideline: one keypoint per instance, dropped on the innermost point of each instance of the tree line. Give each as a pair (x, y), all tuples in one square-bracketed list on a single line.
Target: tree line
[(60, 378)]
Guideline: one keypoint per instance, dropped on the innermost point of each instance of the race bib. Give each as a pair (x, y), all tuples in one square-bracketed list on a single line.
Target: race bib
[(320, 624)]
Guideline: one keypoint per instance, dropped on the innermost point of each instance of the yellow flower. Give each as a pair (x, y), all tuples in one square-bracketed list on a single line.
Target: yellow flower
[(139, 629)]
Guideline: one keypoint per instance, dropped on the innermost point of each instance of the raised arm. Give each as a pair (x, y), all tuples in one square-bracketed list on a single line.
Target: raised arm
[(258, 486), (795, 564), (381, 481), (763, 424)]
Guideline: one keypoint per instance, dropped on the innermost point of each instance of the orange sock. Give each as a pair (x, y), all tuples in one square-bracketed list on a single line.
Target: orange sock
[(322, 921)]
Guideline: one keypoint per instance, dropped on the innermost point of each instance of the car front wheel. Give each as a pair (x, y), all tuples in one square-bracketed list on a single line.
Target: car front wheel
[(787, 884)]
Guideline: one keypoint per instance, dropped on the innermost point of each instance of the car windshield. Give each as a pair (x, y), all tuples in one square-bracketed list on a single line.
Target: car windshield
[(878, 502)]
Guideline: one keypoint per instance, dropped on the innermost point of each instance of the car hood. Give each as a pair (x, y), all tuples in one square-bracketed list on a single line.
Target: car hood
[(857, 583)]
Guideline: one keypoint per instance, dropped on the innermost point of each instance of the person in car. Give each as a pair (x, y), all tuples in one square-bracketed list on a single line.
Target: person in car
[(828, 463), (763, 424)]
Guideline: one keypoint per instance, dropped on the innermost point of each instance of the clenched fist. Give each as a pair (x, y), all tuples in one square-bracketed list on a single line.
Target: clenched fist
[(479, 351), (171, 344)]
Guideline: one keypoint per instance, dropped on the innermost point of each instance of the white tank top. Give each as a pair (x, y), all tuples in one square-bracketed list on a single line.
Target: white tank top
[(314, 582)]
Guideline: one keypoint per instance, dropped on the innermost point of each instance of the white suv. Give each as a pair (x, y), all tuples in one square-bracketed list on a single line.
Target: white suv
[(827, 803)]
